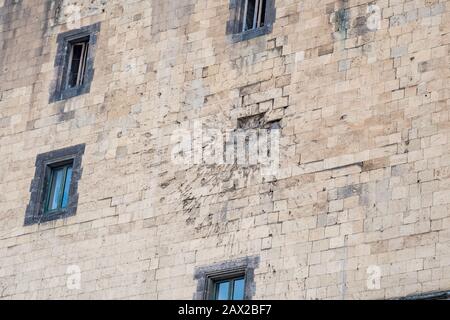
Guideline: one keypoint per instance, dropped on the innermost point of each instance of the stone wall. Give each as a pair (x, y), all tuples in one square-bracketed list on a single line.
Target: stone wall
[(359, 89)]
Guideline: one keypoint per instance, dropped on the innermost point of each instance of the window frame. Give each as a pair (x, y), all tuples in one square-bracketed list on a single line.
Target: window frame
[(66, 41), (235, 26), (207, 277), (36, 210), (83, 62), (231, 278), (257, 16), (49, 183)]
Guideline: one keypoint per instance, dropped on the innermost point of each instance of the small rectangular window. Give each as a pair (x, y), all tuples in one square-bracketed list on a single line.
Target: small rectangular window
[(227, 285), (54, 189), (77, 63), (58, 188), (229, 280), (253, 15), (231, 289), (250, 19), (74, 62)]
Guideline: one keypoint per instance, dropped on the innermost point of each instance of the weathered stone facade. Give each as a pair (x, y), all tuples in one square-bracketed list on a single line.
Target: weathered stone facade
[(360, 90)]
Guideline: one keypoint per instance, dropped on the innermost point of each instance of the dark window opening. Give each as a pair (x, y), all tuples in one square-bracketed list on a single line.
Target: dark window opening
[(74, 62), (77, 63), (250, 19), (253, 14)]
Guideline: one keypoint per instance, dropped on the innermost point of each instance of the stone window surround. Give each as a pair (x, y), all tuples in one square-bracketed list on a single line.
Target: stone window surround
[(234, 24), (34, 212), (206, 276), (437, 295), (61, 92)]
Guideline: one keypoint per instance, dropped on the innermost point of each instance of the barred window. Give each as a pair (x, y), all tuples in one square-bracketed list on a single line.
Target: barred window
[(250, 18), (254, 14)]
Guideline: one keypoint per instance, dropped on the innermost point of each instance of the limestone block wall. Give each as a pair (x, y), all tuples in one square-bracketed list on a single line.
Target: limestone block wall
[(358, 208)]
